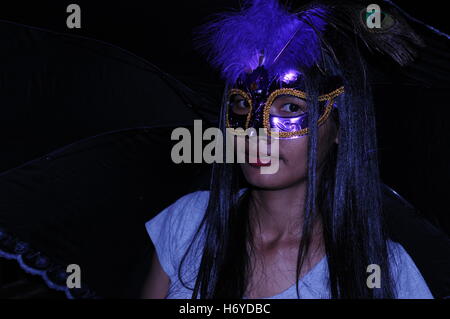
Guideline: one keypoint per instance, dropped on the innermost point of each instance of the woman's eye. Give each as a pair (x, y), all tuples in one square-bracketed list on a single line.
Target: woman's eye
[(290, 108), (239, 105)]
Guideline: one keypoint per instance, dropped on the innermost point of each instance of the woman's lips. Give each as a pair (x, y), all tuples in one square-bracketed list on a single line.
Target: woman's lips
[(258, 163)]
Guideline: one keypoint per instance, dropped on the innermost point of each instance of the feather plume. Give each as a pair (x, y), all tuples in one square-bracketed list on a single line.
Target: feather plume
[(264, 31), (234, 41)]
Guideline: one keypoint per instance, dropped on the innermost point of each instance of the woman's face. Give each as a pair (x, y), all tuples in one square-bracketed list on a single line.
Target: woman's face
[(293, 153)]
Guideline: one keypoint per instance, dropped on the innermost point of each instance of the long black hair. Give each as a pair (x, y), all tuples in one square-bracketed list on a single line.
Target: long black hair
[(346, 198)]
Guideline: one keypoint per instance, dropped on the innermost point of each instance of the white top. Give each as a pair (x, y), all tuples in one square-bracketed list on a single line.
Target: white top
[(172, 230)]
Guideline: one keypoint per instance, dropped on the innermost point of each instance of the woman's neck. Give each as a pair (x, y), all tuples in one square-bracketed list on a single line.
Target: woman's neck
[(278, 214), (276, 219)]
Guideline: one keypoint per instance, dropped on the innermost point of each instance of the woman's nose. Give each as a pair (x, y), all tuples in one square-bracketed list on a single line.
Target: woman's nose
[(258, 135)]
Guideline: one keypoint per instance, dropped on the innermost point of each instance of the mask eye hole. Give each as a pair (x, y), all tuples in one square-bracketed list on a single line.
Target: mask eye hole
[(238, 104), (288, 106)]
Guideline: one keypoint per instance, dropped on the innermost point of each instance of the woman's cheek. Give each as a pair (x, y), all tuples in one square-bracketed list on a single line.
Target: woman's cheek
[(292, 166)]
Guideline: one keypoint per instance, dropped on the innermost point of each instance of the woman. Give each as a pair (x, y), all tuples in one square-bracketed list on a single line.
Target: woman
[(314, 228)]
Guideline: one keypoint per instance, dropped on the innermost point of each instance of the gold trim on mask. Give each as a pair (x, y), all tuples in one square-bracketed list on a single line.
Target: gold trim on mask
[(329, 97), (246, 96)]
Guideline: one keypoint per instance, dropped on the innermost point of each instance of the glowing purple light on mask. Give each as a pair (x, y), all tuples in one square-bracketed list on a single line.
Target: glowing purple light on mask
[(289, 76)]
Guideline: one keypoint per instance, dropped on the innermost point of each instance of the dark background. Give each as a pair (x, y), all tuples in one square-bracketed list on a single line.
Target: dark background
[(159, 31), (413, 144), (414, 138)]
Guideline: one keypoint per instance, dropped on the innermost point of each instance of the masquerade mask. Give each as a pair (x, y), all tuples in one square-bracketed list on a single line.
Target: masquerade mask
[(278, 105)]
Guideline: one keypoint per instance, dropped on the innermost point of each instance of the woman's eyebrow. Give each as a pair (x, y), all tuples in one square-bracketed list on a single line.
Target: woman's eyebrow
[(294, 98)]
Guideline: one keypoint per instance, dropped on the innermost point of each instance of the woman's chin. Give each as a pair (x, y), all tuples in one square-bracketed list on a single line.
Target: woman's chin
[(254, 177)]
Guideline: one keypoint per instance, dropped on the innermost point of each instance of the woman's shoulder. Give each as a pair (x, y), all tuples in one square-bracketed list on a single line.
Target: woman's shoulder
[(173, 228), (187, 203), (185, 212), (408, 280)]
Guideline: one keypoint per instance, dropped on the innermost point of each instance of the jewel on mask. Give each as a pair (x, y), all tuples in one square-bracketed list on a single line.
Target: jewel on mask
[(289, 77)]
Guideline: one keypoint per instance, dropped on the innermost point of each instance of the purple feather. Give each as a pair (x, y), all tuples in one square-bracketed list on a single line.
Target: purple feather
[(235, 41)]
